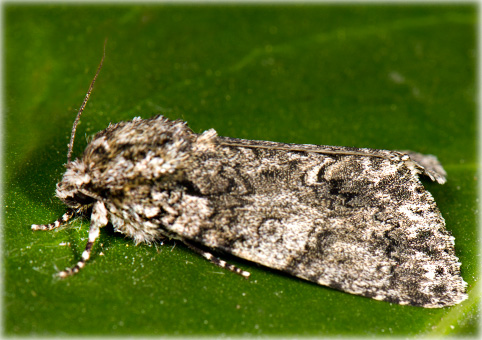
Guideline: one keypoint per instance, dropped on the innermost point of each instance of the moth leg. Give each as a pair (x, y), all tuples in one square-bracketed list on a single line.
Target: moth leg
[(217, 261), (61, 221), (98, 220)]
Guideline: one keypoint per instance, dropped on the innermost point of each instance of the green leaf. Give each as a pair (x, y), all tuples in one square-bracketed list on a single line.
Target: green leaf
[(390, 77)]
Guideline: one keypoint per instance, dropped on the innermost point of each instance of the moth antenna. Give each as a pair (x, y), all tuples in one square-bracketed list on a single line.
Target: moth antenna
[(86, 99)]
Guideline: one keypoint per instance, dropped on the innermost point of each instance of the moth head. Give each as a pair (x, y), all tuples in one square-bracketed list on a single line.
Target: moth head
[(73, 188)]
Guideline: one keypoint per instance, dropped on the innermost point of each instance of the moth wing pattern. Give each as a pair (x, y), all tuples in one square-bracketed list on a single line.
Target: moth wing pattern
[(360, 224), (357, 220)]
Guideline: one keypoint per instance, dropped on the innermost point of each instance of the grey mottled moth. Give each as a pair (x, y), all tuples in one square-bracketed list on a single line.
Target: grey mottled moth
[(357, 220)]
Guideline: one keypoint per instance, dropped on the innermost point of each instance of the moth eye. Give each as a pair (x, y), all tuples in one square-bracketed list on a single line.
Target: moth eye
[(80, 198)]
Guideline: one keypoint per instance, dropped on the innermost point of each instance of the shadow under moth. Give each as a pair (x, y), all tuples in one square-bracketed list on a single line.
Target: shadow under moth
[(353, 219)]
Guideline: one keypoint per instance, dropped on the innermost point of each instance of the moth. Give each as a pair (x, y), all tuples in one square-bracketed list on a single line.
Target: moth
[(354, 219)]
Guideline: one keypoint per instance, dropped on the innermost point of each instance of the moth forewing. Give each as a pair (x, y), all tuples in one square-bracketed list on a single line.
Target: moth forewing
[(358, 220)]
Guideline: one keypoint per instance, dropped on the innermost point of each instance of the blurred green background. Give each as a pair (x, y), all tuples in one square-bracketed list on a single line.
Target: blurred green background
[(380, 76)]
